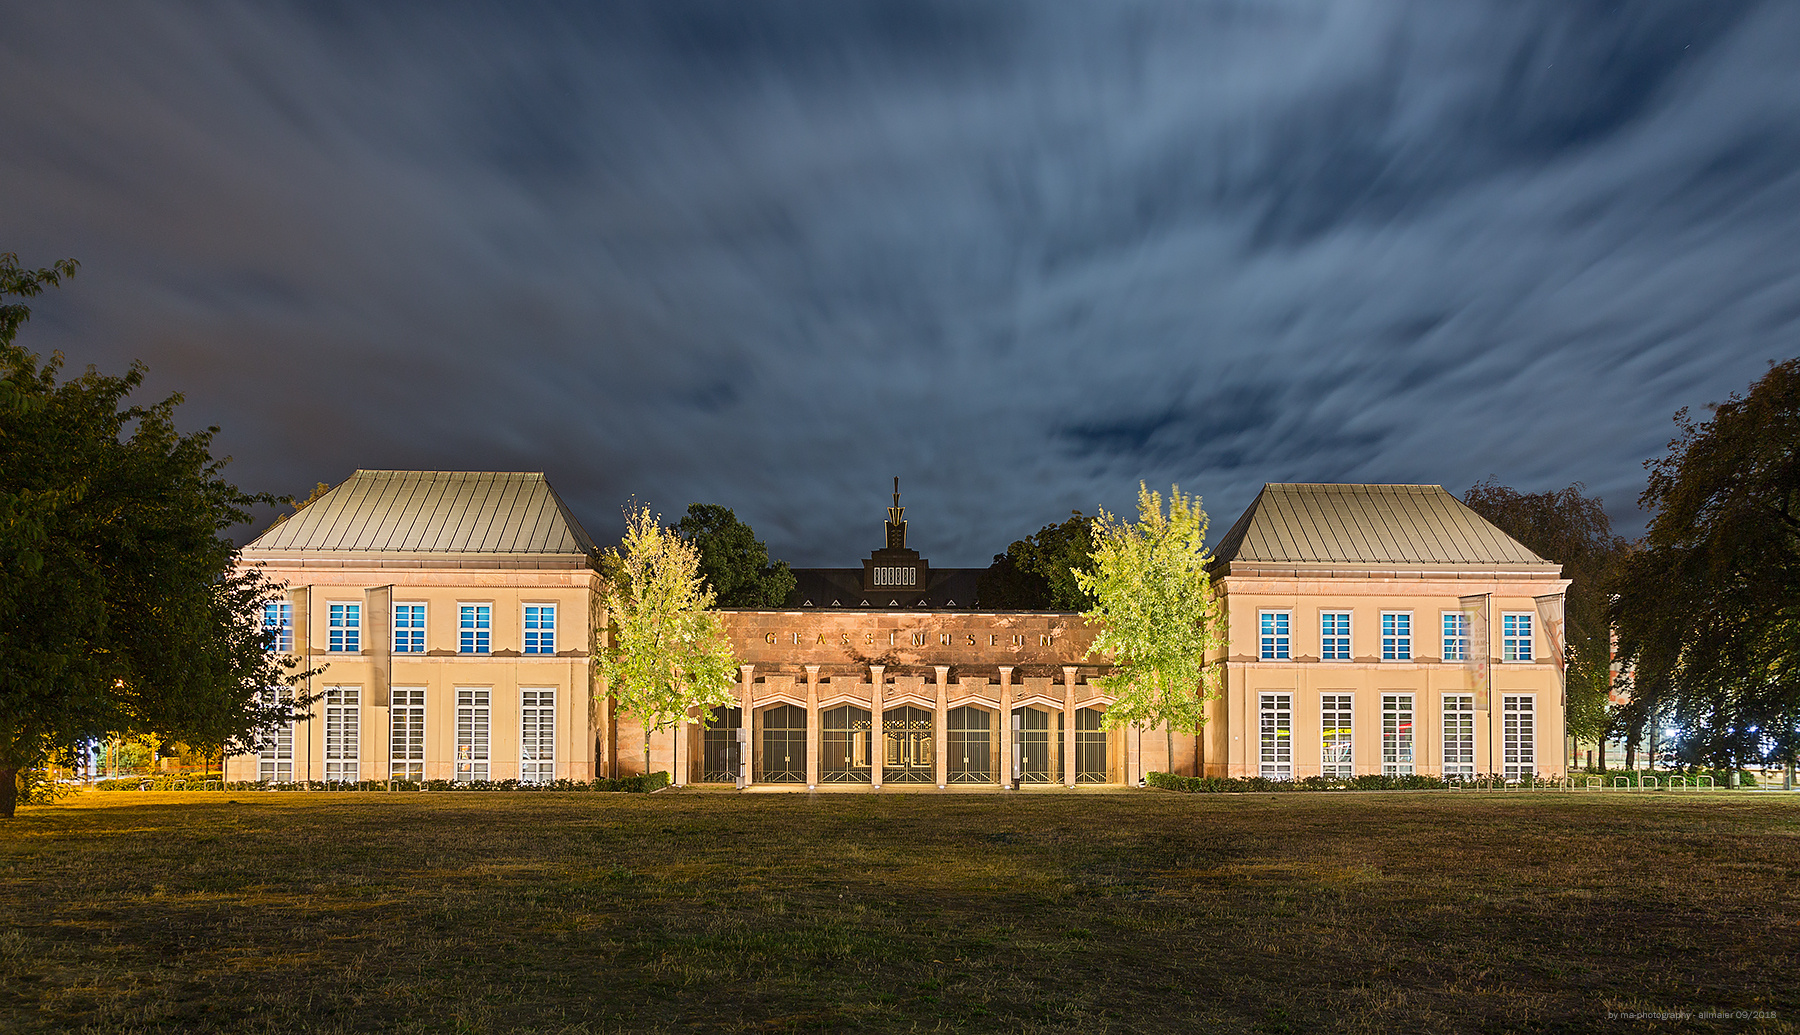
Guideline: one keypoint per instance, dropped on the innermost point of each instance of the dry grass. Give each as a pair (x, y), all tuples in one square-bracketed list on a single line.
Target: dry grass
[(1038, 913)]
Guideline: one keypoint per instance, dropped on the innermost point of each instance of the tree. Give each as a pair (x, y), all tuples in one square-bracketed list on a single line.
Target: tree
[(1037, 573), (122, 609), (1708, 611), (1572, 529), (666, 652), (1156, 613), (732, 561)]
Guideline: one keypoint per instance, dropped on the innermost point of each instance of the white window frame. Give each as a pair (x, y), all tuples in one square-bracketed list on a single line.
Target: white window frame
[(1275, 635), (279, 616), (537, 734), (474, 729), (343, 623), (478, 637), (343, 734), (1337, 735), (1396, 645), (1459, 736), (275, 755), (406, 733), (1455, 625), (539, 639), (1339, 639), (1275, 735), (885, 576), (409, 638), (1518, 736), (1510, 652), (1399, 741)]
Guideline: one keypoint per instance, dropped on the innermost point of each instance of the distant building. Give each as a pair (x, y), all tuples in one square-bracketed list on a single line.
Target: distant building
[(892, 576)]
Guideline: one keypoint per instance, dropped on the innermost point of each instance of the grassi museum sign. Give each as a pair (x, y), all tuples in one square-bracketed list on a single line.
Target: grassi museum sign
[(1370, 629)]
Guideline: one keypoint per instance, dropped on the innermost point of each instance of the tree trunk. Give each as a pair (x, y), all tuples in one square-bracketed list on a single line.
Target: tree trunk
[(1631, 756), (1603, 752), (9, 790)]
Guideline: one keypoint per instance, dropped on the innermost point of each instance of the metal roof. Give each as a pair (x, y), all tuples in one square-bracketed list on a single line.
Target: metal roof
[(1309, 523), (432, 512)]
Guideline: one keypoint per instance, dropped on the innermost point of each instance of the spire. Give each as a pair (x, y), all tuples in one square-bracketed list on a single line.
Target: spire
[(896, 522)]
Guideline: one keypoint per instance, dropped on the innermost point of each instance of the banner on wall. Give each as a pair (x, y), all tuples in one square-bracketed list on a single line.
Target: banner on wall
[(1475, 658)]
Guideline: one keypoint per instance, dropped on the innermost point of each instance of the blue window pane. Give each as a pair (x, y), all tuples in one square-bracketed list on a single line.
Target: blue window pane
[(476, 628), (409, 629), (345, 624), (540, 629)]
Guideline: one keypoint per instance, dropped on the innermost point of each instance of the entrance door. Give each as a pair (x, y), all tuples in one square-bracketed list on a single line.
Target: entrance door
[(844, 753), (970, 745), (784, 745), (907, 743), (1039, 755)]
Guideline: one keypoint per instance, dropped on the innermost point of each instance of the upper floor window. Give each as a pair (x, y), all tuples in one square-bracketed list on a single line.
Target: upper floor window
[(278, 618), (345, 623), (1456, 636), (1275, 639), (1396, 636), (1334, 636), (1515, 637), (540, 628), (409, 628), (896, 576), (477, 630)]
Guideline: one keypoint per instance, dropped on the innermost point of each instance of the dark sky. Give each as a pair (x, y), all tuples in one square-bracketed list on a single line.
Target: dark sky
[(1021, 254)]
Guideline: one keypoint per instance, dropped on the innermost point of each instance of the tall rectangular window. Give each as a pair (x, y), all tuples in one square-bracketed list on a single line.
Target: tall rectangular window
[(343, 733), (1515, 637), (1518, 736), (472, 714), (1456, 636), (278, 618), (1396, 636), (1276, 735), (1334, 636), (407, 741), (1459, 737), (1396, 734), (540, 628), (537, 736), (477, 630), (1274, 635), (1337, 752), (275, 753), (409, 628), (345, 623)]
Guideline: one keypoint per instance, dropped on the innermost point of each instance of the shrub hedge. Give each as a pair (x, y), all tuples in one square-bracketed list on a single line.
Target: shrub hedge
[(628, 784)]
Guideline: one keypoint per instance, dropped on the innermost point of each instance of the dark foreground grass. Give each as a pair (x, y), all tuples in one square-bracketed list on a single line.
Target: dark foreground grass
[(1142, 911)]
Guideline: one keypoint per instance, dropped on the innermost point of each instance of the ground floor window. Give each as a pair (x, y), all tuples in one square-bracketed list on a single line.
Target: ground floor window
[(473, 712), (406, 717), (719, 746), (784, 744), (1038, 753), (1519, 736), (969, 741), (1276, 736), (275, 756), (537, 736), (1337, 755), (844, 745), (1459, 737), (1396, 734), (343, 728), (908, 746), (1090, 747)]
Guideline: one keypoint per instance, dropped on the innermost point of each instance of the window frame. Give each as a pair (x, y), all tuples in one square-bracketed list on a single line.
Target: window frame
[(1342, 639), (1509, 645), (542, 734), (473, 758), (481, 635), (1342, 735), (345, 638), (1518, 747), (1392, 643), (1461, 638), (528, 631), (1464, 711), (406, 738), (1272, 645), (1399, 747), (276, 755), (1274, 739), (343, 734), (282, 621), (414, 642)]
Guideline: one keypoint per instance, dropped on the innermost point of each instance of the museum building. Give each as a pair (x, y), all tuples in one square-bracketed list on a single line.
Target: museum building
[(451, 617)]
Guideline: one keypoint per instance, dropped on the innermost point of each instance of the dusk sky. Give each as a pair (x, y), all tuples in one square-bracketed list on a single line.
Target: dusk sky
[(1022, 255)]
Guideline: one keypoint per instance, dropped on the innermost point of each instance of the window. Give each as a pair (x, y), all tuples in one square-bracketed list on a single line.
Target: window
[(345, 622), (1334, 636), (970, 745), (1515, 637), (1036, 753), (1456, 636), (406, 739), (1090, 747), (719, 751), (1274, 635), (278, 618), (896, 576), (1396, 636), (784, 743), (1336, 755), (907, 746), (477, 628), (537, 736), (844, 757), (1517, 736), (472, 714), (540, 628), (409, 628), (1459, 737), (1276, 734), (1396, 734), (343, 728), (275, 755)]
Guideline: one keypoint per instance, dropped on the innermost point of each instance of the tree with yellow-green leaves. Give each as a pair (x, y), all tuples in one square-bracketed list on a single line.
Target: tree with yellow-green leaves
[(1156, 613)]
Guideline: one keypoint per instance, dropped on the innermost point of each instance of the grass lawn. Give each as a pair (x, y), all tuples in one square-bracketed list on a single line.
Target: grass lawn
[(1051, 912)]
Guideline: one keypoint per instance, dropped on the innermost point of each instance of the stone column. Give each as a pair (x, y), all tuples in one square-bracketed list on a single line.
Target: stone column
[(814, 742), (746, 685), (877, 696), (678, 752), (1006, 730), (940, 724), (1069, 725)]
